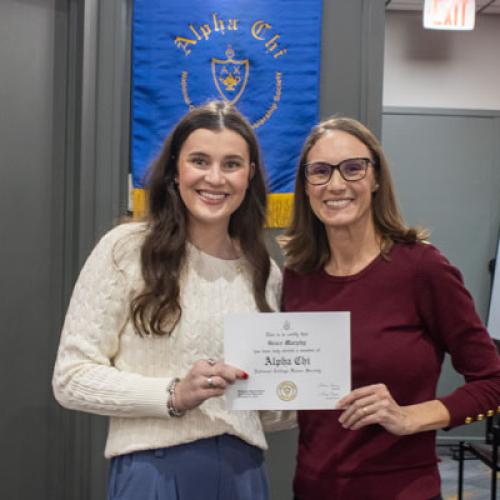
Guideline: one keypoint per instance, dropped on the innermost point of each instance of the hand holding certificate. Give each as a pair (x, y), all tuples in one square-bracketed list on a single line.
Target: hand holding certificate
[(294, 360)]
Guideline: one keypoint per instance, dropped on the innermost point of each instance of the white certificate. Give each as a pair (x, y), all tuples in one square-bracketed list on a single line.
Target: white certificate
[(294, 360)]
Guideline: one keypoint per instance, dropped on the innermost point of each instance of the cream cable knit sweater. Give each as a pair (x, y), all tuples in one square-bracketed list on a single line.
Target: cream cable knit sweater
[(104, 367)]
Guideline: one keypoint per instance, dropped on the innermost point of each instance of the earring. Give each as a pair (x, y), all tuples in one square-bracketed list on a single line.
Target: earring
[(375, 188)]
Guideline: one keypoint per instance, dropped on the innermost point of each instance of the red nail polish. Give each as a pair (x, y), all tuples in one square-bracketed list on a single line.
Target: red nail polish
[(244, 376)]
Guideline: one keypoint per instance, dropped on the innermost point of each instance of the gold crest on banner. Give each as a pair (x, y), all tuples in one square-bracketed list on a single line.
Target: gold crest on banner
[(230, 76)]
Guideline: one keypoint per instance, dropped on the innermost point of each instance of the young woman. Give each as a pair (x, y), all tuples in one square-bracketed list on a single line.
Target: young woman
[(143, 337), (348, 249)]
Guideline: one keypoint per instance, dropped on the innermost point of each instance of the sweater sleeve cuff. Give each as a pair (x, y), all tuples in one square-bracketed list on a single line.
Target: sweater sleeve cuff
[(153, 400), (460, 406)]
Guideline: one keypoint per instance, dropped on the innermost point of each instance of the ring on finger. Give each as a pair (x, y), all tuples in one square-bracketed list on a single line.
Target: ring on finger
[(210, 382), (211, 361)]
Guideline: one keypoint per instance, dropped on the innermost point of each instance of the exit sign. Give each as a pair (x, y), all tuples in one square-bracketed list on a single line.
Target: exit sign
[(449, 14)]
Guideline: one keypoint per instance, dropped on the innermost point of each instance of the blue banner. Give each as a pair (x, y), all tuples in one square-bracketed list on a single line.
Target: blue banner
[(261, 55)]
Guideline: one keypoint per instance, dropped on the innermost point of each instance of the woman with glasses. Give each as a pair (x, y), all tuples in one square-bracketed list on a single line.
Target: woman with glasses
[(348, 249), (142, 341)]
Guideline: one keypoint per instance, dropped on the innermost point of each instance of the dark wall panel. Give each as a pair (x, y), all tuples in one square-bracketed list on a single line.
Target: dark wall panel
[(32, 108)]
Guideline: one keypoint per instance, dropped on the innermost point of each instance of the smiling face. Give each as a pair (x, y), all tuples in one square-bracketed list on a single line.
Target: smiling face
[(340, 203), (213, 173)]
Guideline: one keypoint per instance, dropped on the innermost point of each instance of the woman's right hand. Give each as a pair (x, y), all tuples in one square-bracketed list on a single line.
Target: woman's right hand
[(206, 379)]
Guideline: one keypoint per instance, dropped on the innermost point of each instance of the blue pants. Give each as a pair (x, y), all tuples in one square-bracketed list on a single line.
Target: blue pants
[(219, 468)]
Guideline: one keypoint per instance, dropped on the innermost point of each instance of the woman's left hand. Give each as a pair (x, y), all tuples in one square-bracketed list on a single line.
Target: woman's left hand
[(374, 404)]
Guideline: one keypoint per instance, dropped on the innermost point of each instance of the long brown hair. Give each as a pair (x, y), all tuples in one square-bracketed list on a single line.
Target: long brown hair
[(156, 309), (305, 242)]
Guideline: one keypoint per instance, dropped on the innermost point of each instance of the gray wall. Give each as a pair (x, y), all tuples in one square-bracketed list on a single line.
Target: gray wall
[(54, 201), (446, 166), (32, 149), (64, 155)]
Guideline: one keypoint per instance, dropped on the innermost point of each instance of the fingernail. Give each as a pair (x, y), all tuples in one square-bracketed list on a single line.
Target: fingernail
[(244, 375)]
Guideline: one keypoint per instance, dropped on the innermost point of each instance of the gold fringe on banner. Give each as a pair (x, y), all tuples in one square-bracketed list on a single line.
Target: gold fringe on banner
[(138, 202), (279, 207)]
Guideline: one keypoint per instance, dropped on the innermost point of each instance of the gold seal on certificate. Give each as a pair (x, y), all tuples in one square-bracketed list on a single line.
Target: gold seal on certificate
[(294, 360), (286, 390)]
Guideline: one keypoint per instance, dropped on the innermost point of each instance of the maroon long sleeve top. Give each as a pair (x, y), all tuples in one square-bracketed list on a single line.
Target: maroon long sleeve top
[(406, 313)]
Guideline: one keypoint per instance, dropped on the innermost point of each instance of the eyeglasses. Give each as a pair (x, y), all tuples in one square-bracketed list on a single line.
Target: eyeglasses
[(352, 169)]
